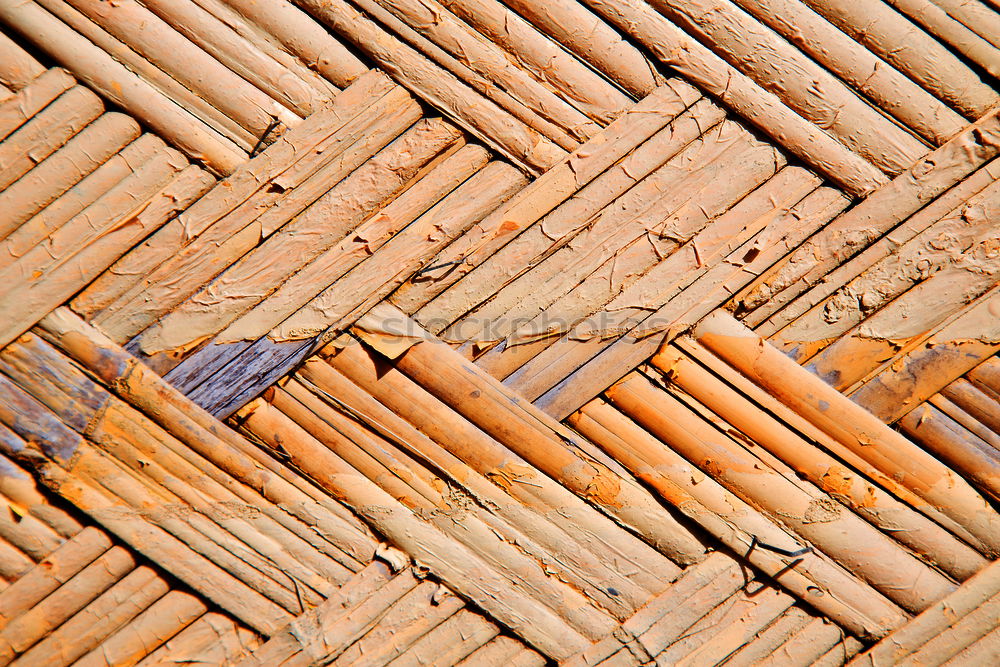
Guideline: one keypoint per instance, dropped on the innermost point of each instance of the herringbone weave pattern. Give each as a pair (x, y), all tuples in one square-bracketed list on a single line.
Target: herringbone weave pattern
[(489, 332)]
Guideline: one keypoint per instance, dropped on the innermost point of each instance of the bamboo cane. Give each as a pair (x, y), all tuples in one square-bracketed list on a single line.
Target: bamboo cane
[(486, 120), (666, 638), (518, 95), (954, 345), (109, 211), (46, 132), (623, 658), (198, 572), (477, 528), (938, 618), (89, 457), (807, 646), (673, 48), (231, 223), (339, 305), (359, 195), (795, 421), (100, 71), (288, 642), (14, 564), (282, 540), (541, 441), (66, 167), (498, 651), (966, 338), (871, 503), (724, 234), (300, 34), (966, 420), (177, 93), (527, 658), (723, 615), (17, 67), (19, 108), (771, 638), (880, 561), (409, 485), (455, 564), (244, 57), (79, 197), (118, 430), (966, 631), (527, 567), (414, 615), (875, 216), (551, 227), (663, 211), (35, 425), (756, 613), (502, 467), (850, 424), (55, 570), (972, 40), (269, 41), (587, 360), (886, 86), (920, 305), (846, 599), (660, 202), (890, 36), (841, 652), (204, 434), (594, 98), (941, 207), (341, 630), (974, 401), (146, 632), (551, 189), (63, 388), (993, 4), (982, 652), (32, 625), (213, 638), (90, 626), (964, 452), (976, 16), (703, 580), (779, 67), (585, 571), (394, 220), (129, 436), (292, 147), (450, 642), (161, 508), (592, 40), (188, 64), (19, 486), (27, 533), (986, 376), (119, 234), (397, 115)]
